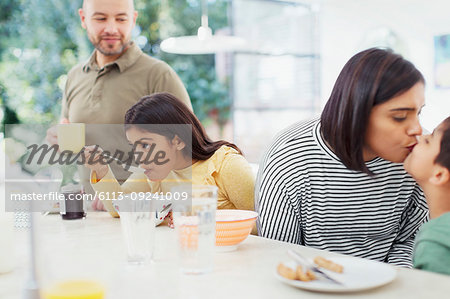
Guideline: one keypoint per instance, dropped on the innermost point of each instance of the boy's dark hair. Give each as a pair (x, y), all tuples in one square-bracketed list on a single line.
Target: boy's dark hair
[(369, 78), (443, 158)]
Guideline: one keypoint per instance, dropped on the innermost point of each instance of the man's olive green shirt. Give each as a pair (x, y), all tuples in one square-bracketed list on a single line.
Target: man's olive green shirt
[(95, 95), (103, 95)]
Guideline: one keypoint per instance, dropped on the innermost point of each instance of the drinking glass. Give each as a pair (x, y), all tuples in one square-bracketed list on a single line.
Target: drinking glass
[(196, 228), (74, 289), (67, 263), (137, 219), (71, 137)]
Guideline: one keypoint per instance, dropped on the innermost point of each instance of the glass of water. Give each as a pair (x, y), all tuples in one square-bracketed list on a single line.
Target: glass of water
[(137, 219), (195, 223)]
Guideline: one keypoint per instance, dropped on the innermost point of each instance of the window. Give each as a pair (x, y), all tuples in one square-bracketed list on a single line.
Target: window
[(276, 80)]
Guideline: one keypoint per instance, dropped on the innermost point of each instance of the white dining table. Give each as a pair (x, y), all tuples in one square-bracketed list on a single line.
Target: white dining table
[(94, 246)]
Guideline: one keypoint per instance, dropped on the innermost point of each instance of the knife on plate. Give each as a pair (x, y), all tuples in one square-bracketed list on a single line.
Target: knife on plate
[(300, 259)]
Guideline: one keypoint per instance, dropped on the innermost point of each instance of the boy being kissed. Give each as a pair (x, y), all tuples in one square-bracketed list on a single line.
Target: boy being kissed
[(429, 165)]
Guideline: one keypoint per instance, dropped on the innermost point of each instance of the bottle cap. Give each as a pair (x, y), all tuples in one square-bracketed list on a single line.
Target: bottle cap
[(71, 188)]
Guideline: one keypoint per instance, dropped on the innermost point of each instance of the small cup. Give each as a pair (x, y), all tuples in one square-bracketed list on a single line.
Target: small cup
[(137, 219), (71, 137), (195, 225), (72, 207)]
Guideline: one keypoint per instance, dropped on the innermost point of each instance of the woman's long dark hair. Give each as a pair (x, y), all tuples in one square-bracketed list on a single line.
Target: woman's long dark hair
[(369, 78), (165, 109)]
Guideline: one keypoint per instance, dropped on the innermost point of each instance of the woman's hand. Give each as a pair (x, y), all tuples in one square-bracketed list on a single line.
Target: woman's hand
[(93, 160)]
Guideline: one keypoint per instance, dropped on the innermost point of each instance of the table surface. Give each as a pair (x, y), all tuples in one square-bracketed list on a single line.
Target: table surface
[(94, 245)]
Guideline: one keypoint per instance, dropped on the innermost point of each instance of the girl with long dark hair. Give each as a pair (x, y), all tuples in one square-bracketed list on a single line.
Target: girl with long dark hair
[(177, 149)]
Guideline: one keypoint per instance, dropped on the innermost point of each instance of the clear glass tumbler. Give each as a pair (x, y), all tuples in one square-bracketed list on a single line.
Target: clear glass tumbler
[(196, 229), (137, 219)]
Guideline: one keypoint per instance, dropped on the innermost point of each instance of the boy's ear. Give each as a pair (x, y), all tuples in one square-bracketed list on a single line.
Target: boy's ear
[(178, 143), (440, 175)]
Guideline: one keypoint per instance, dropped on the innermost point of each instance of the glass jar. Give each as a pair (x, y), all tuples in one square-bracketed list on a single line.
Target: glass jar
[(72, 207)]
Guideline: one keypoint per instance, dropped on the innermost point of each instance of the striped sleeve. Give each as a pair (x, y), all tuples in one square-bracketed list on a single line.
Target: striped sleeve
[(277, 219), (276, 204), (415, 214)]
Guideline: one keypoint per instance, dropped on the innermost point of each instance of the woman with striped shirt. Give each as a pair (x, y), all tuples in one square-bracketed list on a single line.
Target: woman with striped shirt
[(337, 182)]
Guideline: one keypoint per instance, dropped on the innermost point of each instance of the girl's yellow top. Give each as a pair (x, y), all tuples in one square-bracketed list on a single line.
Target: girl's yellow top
[(226, 169)]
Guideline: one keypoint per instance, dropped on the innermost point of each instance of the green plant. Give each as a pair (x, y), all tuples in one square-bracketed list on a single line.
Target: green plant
[(42, 39)]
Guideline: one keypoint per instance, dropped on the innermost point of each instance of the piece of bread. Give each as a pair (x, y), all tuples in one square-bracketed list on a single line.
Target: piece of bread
[(286, 272), (303, 276), (311, 275), (329, 265)]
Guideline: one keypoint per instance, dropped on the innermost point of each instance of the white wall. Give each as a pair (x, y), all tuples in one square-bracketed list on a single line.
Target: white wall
[(345, 27)]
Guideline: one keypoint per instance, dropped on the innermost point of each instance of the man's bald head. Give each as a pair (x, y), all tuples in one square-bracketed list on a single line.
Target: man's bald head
[(109, 24), (86, 2)]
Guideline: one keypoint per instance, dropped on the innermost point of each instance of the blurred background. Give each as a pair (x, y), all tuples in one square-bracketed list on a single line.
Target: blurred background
[(285, 74)]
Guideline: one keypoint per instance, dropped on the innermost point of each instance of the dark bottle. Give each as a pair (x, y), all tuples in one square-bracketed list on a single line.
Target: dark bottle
[(72, 207)]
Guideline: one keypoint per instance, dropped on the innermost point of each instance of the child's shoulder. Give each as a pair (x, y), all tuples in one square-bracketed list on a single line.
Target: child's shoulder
[(432, 249), (442, 221), (436, 230)]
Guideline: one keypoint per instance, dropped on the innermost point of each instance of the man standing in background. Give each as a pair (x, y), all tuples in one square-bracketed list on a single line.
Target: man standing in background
[(114, 78)]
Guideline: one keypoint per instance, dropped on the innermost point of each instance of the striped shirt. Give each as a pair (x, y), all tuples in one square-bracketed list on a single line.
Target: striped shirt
[(305, 195)]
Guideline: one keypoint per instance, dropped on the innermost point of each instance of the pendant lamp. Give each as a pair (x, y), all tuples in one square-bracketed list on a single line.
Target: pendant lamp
[(204, 42)]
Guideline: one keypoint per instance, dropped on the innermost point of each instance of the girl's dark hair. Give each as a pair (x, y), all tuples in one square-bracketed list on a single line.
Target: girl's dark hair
[(443, 158), (165, 109), (369, 78)]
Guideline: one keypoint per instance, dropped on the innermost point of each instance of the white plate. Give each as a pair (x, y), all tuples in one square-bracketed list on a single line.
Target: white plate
[(358, 275)]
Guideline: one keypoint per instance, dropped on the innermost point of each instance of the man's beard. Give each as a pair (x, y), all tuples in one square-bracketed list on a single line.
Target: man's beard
[(106, 50)]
